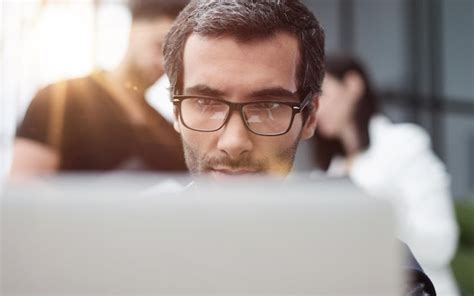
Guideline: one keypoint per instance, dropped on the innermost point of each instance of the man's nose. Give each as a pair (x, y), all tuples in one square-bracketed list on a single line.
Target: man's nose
[(235, 139)]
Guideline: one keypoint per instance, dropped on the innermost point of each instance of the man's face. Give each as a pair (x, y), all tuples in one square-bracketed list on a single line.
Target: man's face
[(242, 72), (146, 42)]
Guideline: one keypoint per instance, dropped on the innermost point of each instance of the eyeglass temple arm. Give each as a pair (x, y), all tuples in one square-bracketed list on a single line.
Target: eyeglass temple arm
[(305, 103)]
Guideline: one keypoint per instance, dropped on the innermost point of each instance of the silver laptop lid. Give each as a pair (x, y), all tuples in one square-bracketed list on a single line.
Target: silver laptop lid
[(244, 238)]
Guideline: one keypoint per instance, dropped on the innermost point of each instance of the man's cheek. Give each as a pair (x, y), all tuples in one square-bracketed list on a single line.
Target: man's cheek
[(199, 145)]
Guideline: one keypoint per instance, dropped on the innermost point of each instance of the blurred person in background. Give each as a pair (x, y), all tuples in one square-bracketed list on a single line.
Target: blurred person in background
[(392, 161), (102, 122)]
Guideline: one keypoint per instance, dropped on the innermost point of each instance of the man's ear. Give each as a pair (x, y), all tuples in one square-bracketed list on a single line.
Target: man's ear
[(176, 125), (311, 122)]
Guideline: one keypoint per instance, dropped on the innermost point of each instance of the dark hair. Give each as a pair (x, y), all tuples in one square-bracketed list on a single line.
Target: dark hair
[(249, 20), (338, 66), (149, 9)]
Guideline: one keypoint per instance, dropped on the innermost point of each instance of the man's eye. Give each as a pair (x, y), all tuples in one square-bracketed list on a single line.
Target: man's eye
[(207, 102), (266, 105)]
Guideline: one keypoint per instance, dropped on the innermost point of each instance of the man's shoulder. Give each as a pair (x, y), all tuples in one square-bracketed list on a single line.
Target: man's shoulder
[(59, 104), (69, 87), (394, 146), (81, 83), (399, 138)]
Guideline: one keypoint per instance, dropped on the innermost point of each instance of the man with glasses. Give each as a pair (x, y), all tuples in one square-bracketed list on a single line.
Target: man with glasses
[(245, 79)]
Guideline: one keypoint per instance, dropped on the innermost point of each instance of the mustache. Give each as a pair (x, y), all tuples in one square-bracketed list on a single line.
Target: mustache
[(241, 163)]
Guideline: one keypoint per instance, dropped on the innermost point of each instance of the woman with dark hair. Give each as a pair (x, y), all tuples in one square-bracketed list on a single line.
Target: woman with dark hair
[(391, 161)]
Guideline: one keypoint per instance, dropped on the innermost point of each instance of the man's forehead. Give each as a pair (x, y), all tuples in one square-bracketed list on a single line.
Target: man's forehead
[(278, 40), (226, 60)]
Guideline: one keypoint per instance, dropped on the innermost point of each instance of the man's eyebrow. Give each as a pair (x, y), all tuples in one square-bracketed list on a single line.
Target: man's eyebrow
[(204, 90), (275, 92)]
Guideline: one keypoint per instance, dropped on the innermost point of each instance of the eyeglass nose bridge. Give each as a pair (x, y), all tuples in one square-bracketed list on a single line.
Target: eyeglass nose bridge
[(235, 107)]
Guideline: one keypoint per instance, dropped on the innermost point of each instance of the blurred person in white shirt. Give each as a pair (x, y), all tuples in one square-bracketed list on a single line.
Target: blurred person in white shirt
[(387, 160)]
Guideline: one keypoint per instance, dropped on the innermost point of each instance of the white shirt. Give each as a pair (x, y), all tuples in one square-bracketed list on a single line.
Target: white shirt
[(400, 166)]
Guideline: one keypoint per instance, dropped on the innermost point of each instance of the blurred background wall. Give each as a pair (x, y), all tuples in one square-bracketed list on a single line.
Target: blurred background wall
[(420, 54)]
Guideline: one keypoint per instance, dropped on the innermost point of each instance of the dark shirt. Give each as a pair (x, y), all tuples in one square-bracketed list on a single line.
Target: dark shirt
[(419, 284), (92, 132)]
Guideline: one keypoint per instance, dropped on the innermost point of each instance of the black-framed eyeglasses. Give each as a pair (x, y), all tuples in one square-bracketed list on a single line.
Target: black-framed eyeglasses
[(264, 118)]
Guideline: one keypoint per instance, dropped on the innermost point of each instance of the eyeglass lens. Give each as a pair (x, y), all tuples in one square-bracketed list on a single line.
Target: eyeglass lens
[(261, 117)]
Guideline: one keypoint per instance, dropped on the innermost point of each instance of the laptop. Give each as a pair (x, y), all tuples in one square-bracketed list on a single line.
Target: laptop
[(261, 237)]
